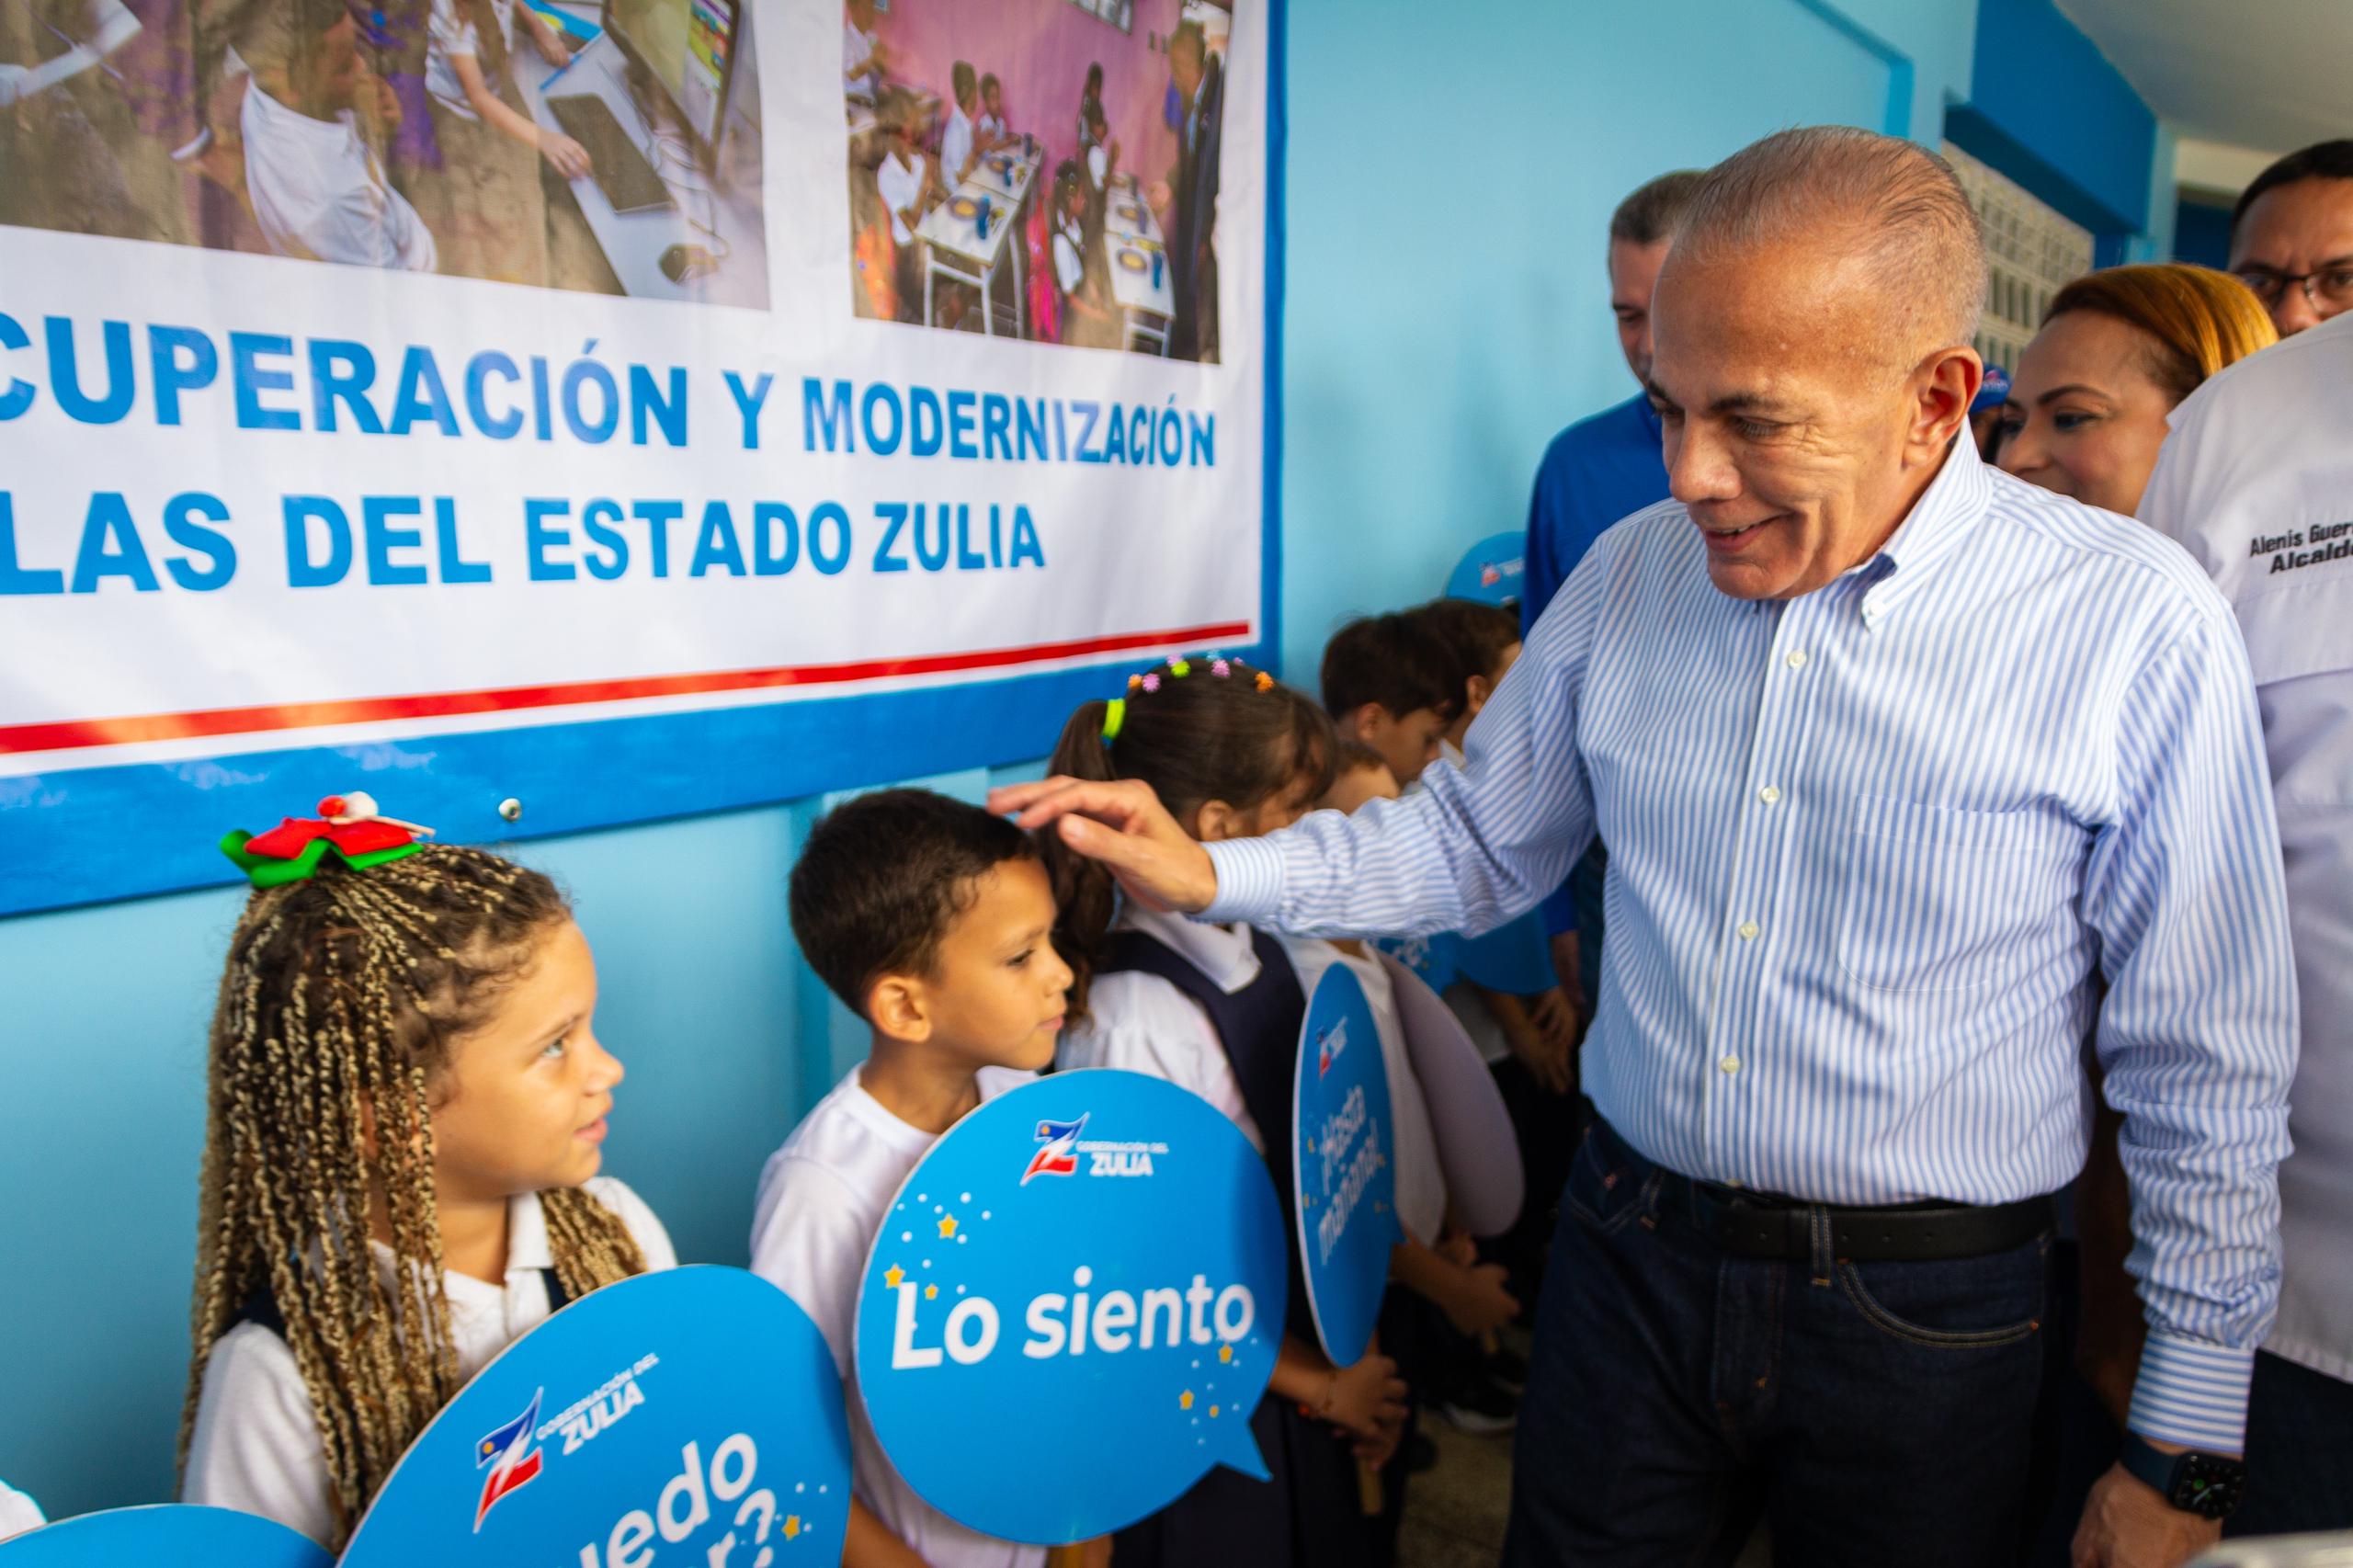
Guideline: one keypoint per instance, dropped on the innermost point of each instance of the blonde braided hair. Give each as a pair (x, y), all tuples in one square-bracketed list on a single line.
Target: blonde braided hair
[(342, 998)]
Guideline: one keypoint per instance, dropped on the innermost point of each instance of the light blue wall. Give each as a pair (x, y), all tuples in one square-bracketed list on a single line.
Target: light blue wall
[(1451, 176)]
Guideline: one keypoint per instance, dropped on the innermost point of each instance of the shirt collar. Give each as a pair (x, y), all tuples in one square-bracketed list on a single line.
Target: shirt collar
[(1225, 953), (1945, 514)]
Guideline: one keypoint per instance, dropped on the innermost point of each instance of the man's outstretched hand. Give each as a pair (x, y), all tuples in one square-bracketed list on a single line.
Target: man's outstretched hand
[(1123, 825)]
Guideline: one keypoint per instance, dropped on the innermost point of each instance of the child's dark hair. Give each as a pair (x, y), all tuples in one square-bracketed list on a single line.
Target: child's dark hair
[(883, 877), (959, 80), (1066, 179), (1354, 757), (1394, 660), (343, 999), (1241, 737), (1476, 633)]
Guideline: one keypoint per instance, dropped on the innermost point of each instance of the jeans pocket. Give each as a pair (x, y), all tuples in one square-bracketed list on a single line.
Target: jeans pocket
[(1961, 1304), (1607, 1193)]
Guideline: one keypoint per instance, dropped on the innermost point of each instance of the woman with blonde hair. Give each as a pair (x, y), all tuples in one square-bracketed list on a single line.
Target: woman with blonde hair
[(2119, 349)]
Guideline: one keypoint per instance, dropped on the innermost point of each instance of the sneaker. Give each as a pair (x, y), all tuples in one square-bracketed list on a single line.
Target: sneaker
[(1479, 1406)]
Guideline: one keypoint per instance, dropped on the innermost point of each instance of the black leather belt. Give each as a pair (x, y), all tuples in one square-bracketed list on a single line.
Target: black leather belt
[(1770, 1225)]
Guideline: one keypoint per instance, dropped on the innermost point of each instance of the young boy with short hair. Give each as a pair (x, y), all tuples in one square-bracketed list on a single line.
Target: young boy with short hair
[(1389, 681), (1484, 639), (933, 921)]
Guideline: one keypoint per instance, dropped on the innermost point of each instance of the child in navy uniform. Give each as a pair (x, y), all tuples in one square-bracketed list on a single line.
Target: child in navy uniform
[(934, 921), (1218, 1009)]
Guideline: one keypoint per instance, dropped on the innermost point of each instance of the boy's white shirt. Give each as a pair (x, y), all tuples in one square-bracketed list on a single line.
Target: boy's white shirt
[(256, 1446), (899, 184), (821, 1197), (19, 1513), (955, 146), (317, 190), (1421, 1182), (1143, 1024)]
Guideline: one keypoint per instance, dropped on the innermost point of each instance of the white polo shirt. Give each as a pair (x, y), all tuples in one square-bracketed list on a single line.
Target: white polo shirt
[(1143, 1024), (821, 1197), (899, 182), (2257, 481), (318, 191), (255, 1447), (448, 33), (955, 146)]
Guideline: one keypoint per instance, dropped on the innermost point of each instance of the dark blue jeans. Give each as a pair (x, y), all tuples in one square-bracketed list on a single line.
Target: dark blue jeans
[(2299, 1451), (1878, 1414)]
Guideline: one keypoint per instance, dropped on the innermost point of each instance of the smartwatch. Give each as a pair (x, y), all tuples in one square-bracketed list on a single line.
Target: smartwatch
[(2206, 1485)]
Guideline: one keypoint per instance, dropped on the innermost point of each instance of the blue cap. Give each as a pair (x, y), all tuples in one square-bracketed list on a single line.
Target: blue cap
[(1492, 570), (1996, 390)]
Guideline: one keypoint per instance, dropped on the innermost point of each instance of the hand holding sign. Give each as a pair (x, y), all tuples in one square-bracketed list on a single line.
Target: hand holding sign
[(1097, 1254), (686, 1417), (179, 1535)]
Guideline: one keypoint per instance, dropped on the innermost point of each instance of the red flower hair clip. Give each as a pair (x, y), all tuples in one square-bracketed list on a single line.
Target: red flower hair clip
[(347, 825)]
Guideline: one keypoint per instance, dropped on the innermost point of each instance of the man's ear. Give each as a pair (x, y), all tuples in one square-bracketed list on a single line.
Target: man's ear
[(1946, 384), (1215, 821), (898, 1008)]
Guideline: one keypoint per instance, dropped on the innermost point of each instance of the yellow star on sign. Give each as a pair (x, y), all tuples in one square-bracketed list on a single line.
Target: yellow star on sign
[(1185, 1399), (1212, 1412), (946, 1227), (931, 1292), (1225, 1352), (791, 1526), (893, 1276)]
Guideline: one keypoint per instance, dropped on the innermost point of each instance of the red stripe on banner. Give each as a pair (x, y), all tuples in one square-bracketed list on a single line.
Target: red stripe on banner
[(75, 734)]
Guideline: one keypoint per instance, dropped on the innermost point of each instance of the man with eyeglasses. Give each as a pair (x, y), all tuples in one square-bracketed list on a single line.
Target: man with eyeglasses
[(2291, 236)]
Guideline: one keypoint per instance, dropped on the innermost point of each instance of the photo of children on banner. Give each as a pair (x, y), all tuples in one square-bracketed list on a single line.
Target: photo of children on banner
[(1098, 1244), (694, 1411), (609, 146), (165, 1533), (1004, 221)]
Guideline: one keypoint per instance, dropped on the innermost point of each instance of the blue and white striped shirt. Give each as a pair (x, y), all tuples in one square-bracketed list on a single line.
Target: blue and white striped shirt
[(1870, 851)]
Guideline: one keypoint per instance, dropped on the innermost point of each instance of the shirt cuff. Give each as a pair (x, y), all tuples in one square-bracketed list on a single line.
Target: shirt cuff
[(1249, 882), (2192, 1393)]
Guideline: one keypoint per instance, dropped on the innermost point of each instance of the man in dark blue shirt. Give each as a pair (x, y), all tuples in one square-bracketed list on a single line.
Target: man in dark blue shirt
[(1604, 467)]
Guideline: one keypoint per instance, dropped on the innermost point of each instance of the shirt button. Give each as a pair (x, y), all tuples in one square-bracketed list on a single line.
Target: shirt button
[(1748, 929), (1730, 1065), (1796, 660), (1771, 793), (1871, 613)]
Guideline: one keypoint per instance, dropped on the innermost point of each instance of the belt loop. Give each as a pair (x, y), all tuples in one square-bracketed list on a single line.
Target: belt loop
[(1818, 1227)]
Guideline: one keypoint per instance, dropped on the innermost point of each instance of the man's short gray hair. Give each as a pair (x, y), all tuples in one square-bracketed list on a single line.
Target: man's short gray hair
[(1653, 212), (1894, 205)]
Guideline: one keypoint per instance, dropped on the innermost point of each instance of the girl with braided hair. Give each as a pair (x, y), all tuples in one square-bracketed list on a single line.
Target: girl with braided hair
[(407, 1105)]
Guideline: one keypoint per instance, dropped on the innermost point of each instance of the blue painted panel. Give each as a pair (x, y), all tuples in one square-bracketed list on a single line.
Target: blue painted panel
[(2046, 108)]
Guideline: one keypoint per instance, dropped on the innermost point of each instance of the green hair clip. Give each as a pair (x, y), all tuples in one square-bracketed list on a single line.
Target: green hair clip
[(1115, 714)]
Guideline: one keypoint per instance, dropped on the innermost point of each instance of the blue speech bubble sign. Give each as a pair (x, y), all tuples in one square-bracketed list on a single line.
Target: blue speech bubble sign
[(692, 1415), (1100, 1253), (176, 1533), (1342, 1166)]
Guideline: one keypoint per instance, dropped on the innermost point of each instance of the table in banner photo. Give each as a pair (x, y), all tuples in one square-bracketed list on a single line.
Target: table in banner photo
[(1138, 254), (973, 237), (1099, 1250), (675, 201), (178, 1535), (692, 1415)]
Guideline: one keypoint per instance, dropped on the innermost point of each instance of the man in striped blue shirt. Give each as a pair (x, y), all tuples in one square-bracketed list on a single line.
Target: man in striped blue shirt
[(1900, 761)]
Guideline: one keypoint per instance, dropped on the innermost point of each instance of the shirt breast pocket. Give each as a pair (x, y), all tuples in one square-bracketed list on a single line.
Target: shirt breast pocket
[(1941, 898)]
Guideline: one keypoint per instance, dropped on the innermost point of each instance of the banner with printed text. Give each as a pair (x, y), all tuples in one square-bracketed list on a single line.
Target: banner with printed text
[(545, 414)]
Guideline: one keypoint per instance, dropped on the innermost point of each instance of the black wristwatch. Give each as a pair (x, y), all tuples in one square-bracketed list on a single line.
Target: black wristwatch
[(2206, 1485)]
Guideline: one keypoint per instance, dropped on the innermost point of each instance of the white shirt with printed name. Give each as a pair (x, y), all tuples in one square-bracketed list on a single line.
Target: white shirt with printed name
[(257, 1447), (1143, 1024), (2257, 481), (821, 1197)]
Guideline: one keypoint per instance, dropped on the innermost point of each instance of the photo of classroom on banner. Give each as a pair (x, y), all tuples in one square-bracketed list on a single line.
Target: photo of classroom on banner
[(604, 146), (1044, 170)]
